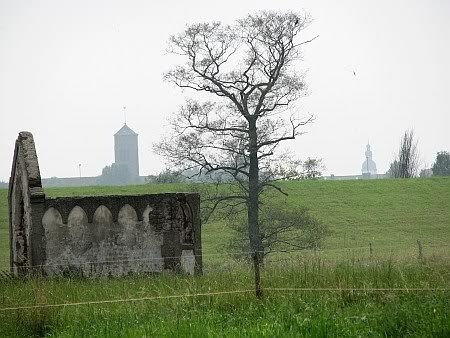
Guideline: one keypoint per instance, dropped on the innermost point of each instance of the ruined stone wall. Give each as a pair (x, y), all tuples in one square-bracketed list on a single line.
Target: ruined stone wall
[(101, 235), (117, 235)]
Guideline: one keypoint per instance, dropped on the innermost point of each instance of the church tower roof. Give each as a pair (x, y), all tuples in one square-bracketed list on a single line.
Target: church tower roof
[(368, 151), (125, 131)]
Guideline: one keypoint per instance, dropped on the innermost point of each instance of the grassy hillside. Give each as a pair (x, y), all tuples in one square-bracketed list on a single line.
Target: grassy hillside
[(391, 214)]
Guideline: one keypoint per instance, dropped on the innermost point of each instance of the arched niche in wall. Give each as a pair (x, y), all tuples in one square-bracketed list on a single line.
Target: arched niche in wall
[(184, 223), (127, 220), (77, 222), (152, 233), (146, 215), (127, 216), (101, 223), (56, 233)]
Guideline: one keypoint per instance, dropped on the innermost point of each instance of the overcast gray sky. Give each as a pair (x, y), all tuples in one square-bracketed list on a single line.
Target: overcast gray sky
[(67, 68)]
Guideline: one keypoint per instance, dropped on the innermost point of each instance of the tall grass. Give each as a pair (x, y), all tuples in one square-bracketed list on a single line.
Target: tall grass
[(337, 312)]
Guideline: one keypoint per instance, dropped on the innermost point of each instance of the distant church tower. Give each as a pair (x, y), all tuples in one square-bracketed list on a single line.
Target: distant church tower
[(369, 167), (126, 150)]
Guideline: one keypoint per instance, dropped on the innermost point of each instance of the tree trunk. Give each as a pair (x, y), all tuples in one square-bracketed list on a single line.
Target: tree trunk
[(253, 208)]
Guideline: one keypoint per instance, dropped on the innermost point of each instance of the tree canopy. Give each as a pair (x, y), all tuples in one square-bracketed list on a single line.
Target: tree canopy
[(441, 166)]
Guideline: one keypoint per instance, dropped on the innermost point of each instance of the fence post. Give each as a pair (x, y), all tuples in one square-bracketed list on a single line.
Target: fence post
[(419, 245), (371, 250)]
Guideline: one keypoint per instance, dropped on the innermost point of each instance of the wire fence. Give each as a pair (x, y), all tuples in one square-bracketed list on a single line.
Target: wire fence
[(219, 293), (235, 255), (228, 265)]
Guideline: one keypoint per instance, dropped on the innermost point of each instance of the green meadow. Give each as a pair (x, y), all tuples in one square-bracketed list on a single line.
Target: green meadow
[(390, 214), (349, 292)]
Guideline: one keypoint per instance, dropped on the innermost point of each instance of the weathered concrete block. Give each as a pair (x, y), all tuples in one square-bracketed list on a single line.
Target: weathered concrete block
[(99, 235)]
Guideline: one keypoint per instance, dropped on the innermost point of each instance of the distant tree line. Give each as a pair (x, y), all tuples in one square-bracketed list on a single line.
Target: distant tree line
[(441, 166), (114, 174), (166, 176), (311, 169)]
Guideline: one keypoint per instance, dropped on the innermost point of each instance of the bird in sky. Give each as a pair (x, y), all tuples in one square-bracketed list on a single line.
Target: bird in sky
[(350, 69)]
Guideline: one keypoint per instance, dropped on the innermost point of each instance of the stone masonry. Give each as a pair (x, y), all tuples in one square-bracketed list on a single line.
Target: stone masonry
[(99, 235)]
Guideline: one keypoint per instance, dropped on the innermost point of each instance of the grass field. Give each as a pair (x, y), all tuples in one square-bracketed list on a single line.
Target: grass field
[(341, 313), (391, 214)]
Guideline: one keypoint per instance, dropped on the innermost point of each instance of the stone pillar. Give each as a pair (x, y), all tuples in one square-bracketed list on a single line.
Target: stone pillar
[(26, 206)]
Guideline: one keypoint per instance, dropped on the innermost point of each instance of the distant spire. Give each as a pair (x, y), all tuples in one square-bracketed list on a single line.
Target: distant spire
[(124, 108)]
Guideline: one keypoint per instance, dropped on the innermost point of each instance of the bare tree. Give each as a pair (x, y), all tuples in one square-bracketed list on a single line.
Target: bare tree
[(312, 168), (406, 165), (248, 69)]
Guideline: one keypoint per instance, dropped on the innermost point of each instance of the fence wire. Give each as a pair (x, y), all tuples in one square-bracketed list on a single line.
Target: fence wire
[(219, 293), (313, 252)]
